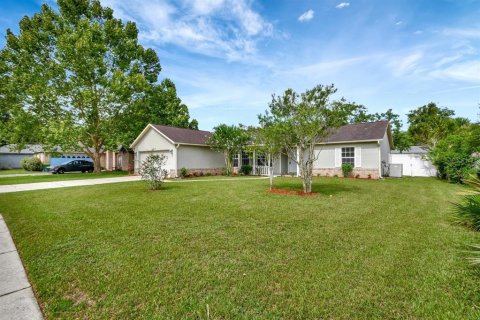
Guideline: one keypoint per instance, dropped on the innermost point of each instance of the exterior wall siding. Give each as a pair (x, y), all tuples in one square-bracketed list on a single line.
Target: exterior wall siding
[(325, 163), (12, 161), (154, 143), (199, 159)]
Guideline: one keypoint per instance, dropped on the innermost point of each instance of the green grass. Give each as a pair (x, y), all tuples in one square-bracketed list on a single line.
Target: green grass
[(15, 171), (361, 250), (60, 177)]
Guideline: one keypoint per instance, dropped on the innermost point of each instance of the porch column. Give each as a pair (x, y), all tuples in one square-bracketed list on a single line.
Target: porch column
[(107, 160), (114, 160), (254, 166)]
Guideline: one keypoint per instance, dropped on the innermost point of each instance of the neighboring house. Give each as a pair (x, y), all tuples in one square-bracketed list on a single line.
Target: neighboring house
[(121, 159), (184, 148), (364, 145), (414, 162), (10, 158)]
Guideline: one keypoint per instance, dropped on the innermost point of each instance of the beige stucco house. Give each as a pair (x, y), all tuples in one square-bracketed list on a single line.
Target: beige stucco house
[(365, 145), (184, 148)]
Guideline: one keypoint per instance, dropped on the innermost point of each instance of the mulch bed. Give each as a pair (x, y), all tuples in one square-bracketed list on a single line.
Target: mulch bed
[(293, 192)]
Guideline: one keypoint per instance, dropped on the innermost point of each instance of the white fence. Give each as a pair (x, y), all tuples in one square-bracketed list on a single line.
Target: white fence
[(261, 170)]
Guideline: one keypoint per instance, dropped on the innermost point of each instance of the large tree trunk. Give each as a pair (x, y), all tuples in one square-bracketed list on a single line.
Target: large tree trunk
[(96, 162), (228, 163)]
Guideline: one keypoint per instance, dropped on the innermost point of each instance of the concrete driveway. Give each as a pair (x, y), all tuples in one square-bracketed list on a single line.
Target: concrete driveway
[(64, 184)]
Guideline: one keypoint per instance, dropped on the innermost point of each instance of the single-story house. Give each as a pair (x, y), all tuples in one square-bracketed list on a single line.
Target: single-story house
[(184, 148), (365, 145), (414, 162), (10, 158), (120, 159)]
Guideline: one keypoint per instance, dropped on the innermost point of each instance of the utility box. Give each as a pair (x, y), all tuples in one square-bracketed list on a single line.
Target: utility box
[(396, 170)]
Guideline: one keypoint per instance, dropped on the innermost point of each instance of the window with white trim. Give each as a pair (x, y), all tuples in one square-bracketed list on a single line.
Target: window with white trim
[(235, 160), (348, 155), (245, 159), (261, 160)]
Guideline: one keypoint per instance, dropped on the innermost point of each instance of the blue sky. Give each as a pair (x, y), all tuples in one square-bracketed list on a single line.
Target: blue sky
[(228, 56)]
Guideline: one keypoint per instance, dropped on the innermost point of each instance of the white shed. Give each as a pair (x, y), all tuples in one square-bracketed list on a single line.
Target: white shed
[(414, 162)]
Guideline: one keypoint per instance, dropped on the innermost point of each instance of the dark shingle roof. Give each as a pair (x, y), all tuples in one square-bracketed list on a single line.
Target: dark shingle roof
[(358, 132), (413, 150), (182, 135)]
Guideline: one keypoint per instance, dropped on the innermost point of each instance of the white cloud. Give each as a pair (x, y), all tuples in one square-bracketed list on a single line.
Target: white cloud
[(306, 16), (418, 32), (398, 23), (343, 5), (462, 32), (406, 64), (465, 71), (228, 29)]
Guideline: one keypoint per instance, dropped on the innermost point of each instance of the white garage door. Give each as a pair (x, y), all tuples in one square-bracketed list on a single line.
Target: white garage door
[(415, 165), (169, 166)]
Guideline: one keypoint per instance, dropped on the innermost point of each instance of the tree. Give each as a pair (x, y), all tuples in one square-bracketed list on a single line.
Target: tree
[(266, 141), (160, 106), (230, 140), (152, 172), (350, 112), (303, 120), (456, 155), (429, 124), (73, 74)]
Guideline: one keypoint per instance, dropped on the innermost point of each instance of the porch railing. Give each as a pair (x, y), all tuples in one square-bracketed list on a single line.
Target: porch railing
[(261, 170)]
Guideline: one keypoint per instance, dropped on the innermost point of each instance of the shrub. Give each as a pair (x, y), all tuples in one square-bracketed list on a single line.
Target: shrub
[(468, 210), (246, 169), (208, 174), (151, 170), (347, 169), (32, 164), (183, 172), (458, 168)]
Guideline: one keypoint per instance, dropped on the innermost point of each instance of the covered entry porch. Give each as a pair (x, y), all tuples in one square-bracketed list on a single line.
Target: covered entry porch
[(259, 162)]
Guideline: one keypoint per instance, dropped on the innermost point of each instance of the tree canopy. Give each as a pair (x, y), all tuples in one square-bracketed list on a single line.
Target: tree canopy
[(230, 140), (300, 122), (74, 78)]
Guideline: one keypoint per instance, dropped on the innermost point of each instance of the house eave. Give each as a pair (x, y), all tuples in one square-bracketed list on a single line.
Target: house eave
[(350, 141)]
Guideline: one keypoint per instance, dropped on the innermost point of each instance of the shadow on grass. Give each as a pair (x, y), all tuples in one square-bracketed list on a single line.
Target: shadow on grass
[(325, 187)]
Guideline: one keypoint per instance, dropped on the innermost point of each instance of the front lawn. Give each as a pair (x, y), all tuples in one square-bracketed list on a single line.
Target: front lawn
[(15, 171), (60, 177), (361, 250)]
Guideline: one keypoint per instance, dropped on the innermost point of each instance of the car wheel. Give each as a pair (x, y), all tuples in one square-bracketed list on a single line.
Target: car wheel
[(83, 171), (90, 170), (61, 171)]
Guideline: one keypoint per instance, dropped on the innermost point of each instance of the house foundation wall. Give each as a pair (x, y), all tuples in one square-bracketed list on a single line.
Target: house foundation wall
[(200, 171), (360, 172)]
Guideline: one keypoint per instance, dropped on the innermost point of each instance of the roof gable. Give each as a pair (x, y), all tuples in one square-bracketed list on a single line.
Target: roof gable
[(368, 131)]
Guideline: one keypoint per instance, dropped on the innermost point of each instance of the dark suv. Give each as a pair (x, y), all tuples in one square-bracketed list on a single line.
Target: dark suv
[(73, 165)]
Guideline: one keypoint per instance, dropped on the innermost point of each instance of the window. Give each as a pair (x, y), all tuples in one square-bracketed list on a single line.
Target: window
[(348, 155), (245, 159), (235, 160), (261, 161)]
